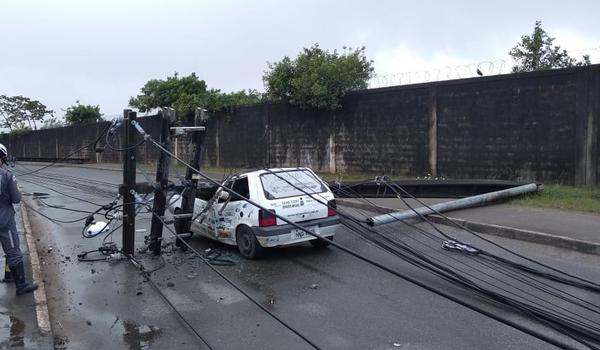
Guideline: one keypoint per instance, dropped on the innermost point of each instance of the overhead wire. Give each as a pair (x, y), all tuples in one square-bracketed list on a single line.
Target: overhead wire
[(525, 279), (559, 293), (575, 322), (544, 315), (95, 142), (594, 310), (147, 276), (233, 284), (376, 264), (586, 283)]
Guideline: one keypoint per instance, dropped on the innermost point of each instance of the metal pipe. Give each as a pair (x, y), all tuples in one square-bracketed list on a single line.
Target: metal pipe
[(452, 205)]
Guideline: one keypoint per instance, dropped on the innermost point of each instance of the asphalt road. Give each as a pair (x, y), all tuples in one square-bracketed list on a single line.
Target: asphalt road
[(18, 326), (329, 296)]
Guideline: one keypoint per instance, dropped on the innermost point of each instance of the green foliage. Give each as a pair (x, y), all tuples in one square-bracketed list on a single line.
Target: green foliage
[(185, 94), (537, 52), (79, 114), (19, 111), (318, 78), (20, 131), (583, 199), (53, 122)]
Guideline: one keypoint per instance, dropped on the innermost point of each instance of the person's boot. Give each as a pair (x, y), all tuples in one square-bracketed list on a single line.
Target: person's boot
[(8, 278), (18, 272)]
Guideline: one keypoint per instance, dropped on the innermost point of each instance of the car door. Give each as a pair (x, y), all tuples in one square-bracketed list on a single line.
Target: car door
[(227, 213)]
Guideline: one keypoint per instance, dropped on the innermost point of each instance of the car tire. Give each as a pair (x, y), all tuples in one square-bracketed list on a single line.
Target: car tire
[(319, 243), (247, 243)]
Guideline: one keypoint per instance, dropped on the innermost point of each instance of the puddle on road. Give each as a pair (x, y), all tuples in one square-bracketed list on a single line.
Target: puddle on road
[(139, 337), (12, 331)]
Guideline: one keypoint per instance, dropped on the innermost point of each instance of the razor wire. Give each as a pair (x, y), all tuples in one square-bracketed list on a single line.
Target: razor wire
[(470, 70), (463, 71)]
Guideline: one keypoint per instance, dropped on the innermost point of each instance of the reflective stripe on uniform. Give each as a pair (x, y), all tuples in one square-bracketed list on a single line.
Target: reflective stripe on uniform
[(12, 242)]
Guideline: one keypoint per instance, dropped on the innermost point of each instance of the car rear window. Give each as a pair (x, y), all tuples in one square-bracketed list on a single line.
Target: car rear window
[(290, 183)]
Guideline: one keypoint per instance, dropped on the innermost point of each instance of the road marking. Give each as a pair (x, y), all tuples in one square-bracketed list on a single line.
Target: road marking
[(39, 296)]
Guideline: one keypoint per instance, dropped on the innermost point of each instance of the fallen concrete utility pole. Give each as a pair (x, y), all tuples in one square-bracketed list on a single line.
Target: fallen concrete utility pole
[(452, 205), (168, 118)]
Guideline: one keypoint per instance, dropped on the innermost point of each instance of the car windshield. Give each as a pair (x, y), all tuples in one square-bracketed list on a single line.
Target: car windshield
[(290, 183)]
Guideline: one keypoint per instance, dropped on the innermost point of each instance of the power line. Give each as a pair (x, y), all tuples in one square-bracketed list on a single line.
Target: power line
[(545, 317), (379, 265), (233, 284), (148, 278)]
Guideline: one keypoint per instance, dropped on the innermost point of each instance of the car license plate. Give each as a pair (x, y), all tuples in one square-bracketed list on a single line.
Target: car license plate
[(297, 233)]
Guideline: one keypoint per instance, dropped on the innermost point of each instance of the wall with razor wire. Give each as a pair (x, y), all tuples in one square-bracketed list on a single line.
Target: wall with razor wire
[(540, 126)]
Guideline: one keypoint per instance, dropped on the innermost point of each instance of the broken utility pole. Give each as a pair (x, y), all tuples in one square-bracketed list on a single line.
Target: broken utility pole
[(191, 178), (128, 188), (162, 180)]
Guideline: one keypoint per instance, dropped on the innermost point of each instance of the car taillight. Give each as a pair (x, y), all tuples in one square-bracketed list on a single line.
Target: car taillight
[(331, 205), (266, 218)]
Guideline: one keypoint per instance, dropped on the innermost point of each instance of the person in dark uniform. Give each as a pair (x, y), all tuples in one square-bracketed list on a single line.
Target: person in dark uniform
[(9, 236)]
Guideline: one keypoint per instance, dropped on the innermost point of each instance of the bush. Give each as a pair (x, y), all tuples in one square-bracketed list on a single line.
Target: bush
[(318, 78)]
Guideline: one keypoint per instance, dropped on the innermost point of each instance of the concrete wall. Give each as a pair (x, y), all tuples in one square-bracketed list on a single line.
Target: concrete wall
[(71, 142), (540, 126)]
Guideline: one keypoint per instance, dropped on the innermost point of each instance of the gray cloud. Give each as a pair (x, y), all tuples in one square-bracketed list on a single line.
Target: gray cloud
[(102, 52)]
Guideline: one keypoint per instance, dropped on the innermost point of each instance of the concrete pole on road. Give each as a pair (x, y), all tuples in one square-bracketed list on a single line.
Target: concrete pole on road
[(189, 197), (452, 205), (162, 180), (129, 173)]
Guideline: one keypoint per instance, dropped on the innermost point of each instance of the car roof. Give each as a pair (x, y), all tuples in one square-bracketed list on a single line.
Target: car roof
[(266, 171)]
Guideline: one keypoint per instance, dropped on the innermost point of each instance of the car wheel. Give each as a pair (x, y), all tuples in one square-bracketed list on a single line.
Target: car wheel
[(247, 243), (318, 243)]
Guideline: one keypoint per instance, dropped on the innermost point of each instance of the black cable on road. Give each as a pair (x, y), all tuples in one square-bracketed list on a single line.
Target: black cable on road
[(146, 275), (444, 294), (592, 285), (233, 284), (561, 323), (62, 193)]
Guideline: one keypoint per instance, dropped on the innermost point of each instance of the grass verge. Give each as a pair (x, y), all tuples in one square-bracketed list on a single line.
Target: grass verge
[(582, 199)]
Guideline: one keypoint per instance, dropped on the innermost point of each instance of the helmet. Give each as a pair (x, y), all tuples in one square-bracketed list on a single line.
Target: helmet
[(3, 151)]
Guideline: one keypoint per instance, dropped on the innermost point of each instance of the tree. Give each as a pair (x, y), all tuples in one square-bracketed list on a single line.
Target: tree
[(8, 111), (36, 112), (52, 122), (538, 52), (318, 78), (187, 93), (19, 112), (80, 114)]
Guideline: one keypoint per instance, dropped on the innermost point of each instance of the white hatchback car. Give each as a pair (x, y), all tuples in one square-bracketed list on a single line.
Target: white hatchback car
[(229, 219)]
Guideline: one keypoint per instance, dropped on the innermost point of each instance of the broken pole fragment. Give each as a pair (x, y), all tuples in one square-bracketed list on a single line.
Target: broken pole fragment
[(183, 225), (129, 173), (162, 180), (451, 205)]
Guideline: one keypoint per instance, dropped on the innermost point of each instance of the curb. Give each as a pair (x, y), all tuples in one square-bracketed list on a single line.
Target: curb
[(497, 230), (39, 296)]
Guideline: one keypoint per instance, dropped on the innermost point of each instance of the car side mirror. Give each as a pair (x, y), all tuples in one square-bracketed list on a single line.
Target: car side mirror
[(223, 196)]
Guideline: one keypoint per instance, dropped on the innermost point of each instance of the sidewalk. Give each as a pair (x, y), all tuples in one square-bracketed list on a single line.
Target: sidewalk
[(18, 318), (554, 227)]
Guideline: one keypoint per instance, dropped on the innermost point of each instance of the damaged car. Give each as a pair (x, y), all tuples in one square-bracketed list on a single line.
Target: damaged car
[(296, 194)]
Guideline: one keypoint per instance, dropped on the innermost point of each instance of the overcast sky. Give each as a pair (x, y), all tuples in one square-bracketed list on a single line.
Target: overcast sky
[(102, 52)]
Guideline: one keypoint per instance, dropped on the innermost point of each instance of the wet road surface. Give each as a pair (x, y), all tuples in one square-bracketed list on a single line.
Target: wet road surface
[(18, 323), (334, 299)]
